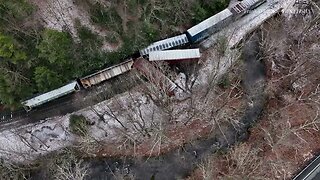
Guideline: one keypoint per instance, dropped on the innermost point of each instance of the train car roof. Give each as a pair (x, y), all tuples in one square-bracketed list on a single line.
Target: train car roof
[(54, 94), (180, 54), (211, 21), (108, 68), (165, 44)]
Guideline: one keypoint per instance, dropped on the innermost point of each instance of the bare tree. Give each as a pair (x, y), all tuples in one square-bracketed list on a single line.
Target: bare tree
[(12, 171), (240, 162), (70, 167)]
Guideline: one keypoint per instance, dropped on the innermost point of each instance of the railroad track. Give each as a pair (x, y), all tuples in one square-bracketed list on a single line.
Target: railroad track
[(196, 33), (67, 104)]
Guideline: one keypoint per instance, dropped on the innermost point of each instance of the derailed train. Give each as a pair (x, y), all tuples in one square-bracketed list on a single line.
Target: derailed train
[(193, 35)]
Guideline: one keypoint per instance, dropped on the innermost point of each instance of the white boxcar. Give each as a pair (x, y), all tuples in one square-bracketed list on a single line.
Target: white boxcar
[(165, 44), (106, 74), (49, 96), (210, 26), (169, 55)]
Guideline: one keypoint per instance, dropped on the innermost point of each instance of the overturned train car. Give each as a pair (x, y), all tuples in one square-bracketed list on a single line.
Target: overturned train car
[(178, 55), (155, 76)]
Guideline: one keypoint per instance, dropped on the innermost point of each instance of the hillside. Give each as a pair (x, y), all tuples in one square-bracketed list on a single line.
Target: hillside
[(250, 109), (45, 44)]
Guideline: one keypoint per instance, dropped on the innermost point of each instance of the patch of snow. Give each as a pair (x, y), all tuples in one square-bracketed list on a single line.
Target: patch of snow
[(307, 156), (274, 66), (181, 92), (300, 83), (62, 15), (214, 66), (288, 8), (133, 110), (27, 142), (301, 8), (315, 47), (238, 30)]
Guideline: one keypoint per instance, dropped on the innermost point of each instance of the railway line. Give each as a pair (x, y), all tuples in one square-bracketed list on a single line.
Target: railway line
[(70, 103), (52, 104), (82, 99)]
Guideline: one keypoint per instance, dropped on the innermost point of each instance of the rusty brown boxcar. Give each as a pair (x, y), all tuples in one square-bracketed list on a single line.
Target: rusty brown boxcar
[(106, 74), (155, 76)]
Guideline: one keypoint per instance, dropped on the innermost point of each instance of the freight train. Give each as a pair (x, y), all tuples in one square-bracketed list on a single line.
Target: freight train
[(193, 35)]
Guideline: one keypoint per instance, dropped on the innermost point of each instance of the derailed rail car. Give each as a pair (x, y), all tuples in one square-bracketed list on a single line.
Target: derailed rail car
[(106, 74), (51, 95), (165, 44), (175, 55), (155, 76), (209, 26), (193, 35)]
